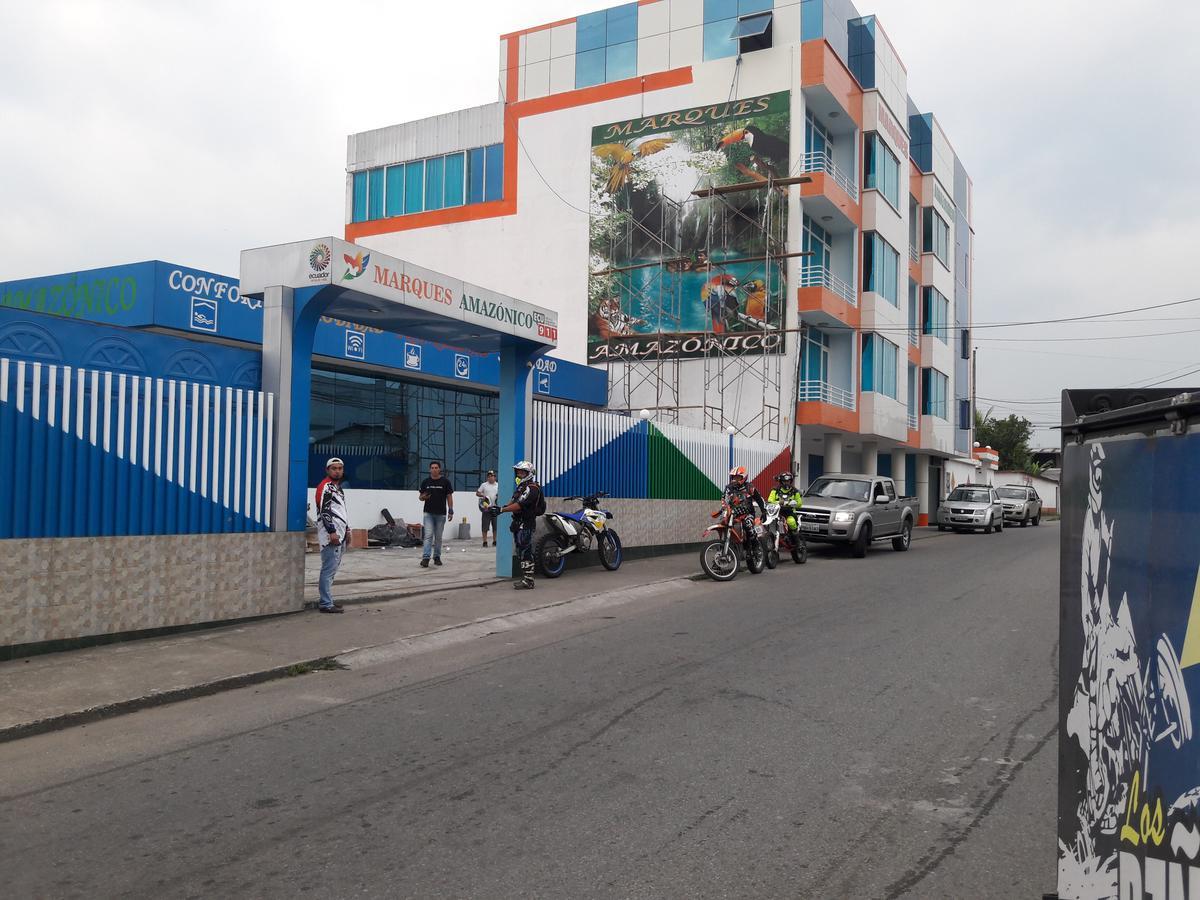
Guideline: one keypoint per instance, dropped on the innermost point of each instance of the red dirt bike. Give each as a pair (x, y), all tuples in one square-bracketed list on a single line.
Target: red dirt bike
[(735, 535)]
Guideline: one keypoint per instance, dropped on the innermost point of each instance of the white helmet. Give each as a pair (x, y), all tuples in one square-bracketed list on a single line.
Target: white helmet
[(525, 466)]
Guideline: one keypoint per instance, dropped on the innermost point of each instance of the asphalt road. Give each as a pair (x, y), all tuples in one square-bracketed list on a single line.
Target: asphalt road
[(850, 728)]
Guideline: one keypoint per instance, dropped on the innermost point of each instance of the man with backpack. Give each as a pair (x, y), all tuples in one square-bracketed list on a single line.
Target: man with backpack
[(526, 505)]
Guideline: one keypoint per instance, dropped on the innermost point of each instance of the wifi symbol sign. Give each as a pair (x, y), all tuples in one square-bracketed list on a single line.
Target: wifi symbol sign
[(356, 344)]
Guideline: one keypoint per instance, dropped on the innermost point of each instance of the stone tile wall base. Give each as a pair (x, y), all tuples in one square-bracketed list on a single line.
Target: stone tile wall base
[(642, 523), (67, 588)]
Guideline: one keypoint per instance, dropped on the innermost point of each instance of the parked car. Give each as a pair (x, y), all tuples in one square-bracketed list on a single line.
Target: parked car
[(1021, 504), (857, 510), (972, 506)]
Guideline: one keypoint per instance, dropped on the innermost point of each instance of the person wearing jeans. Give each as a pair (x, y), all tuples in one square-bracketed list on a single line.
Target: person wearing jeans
[(438, 496), (332, 531)]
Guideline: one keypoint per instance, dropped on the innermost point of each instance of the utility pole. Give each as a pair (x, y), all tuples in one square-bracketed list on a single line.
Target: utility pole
[(974, 358)]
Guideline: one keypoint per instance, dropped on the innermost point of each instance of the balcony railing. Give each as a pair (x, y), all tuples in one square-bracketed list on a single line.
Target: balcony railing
[(913, 253), (819, 276), (824, 392), (912, 420), (914, 337), (822, 162)]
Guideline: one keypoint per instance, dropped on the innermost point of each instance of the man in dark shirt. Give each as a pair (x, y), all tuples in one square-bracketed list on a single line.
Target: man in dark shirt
[(438, 496), (526, 505)]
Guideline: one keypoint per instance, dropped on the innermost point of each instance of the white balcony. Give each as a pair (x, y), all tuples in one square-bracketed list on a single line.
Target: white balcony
[(824, 392), (823, 163), (819, 276)]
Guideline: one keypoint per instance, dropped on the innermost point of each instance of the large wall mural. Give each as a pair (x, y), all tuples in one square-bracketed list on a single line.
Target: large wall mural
[(1129, 783), (673, 274)]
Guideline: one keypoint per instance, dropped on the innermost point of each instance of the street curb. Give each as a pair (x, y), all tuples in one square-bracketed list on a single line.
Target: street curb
[(160, 698), (233, 682), (402, 594)]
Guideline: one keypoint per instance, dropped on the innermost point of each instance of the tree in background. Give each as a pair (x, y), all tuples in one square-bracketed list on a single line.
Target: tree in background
[(1010, 438)]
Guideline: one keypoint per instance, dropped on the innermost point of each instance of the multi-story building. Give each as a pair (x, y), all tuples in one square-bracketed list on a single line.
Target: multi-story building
[(734, 206)]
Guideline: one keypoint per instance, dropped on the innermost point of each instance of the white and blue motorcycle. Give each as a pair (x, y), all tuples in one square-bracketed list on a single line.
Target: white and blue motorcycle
[(577, 532)]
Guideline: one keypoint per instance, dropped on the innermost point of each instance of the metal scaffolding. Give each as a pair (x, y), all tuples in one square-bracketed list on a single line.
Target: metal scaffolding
[(722, 385)]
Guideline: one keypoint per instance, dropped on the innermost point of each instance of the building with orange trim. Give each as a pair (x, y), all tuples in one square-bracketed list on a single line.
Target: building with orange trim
[(598, 114)]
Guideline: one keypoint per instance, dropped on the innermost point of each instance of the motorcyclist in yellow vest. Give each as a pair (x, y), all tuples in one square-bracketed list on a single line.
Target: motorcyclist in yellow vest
[(788, 498)]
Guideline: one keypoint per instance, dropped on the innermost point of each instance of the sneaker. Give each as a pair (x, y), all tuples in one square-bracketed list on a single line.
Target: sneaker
[(485, 543), (437, 560), (522, 585), (424, 564), (330, 609)]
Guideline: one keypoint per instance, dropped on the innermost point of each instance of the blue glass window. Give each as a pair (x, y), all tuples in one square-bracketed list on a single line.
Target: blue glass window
[(359, 213), (589, 67), (936, 310), (621, 61), (718, 42), (936, 235), (622, 24), (434, 169), (475, 175), (879, 360), (358, 418), (746, 7), (455, 169), (414, 187), (933, 393), (375, 198), (881, 267), (591, 31), (816, 138), (816, 242), (816, 356), (720, 9), (493, 186), (394, 191), (881, 169)]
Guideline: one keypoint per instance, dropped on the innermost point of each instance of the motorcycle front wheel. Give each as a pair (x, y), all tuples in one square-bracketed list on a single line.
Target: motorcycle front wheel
[(719, 562), (772, 556), (800, 553), (756, 557), (547, 555), (609, 547)]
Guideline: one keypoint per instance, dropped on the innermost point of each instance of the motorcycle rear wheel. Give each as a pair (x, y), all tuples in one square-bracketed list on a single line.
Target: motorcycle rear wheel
[(718, 563), (547, 555)]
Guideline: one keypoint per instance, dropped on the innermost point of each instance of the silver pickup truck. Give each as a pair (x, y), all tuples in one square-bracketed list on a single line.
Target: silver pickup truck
[(857, 510)]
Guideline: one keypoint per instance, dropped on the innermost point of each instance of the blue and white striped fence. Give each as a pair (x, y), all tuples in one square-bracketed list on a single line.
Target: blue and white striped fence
[(107, 453)]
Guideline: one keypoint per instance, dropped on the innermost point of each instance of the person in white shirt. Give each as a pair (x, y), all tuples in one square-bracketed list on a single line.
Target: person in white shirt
[(487, 494)]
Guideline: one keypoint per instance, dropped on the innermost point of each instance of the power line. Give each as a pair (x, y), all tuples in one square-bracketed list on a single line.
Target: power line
[(1110, 337)]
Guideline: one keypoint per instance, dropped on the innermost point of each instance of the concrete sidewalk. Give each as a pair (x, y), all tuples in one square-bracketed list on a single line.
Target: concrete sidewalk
[(385, 573), (57, 690)]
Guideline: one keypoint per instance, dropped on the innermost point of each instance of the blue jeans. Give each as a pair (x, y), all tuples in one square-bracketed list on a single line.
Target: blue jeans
[(433, 525), (331, 559)]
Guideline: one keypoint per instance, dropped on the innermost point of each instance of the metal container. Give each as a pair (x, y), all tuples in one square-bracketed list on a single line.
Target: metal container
[(1129, 658)]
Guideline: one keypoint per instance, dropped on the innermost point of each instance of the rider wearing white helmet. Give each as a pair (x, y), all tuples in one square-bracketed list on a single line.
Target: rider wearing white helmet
[(526, 505)]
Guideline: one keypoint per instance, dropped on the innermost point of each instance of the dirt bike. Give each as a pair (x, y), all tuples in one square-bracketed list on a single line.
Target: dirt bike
[(577, 532), (781, 539), (734, 535)]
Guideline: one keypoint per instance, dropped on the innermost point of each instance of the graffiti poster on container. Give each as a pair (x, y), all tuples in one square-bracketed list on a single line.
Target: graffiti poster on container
[(680, 265), (1129, 754)]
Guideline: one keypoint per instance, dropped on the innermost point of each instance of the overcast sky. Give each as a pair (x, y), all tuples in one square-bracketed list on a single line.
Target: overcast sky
[(188, 131)]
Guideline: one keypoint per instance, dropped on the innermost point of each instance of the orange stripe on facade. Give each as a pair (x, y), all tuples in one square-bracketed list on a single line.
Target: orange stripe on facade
[(513, 112), (815, 412), (819, 65), (513, 35)]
